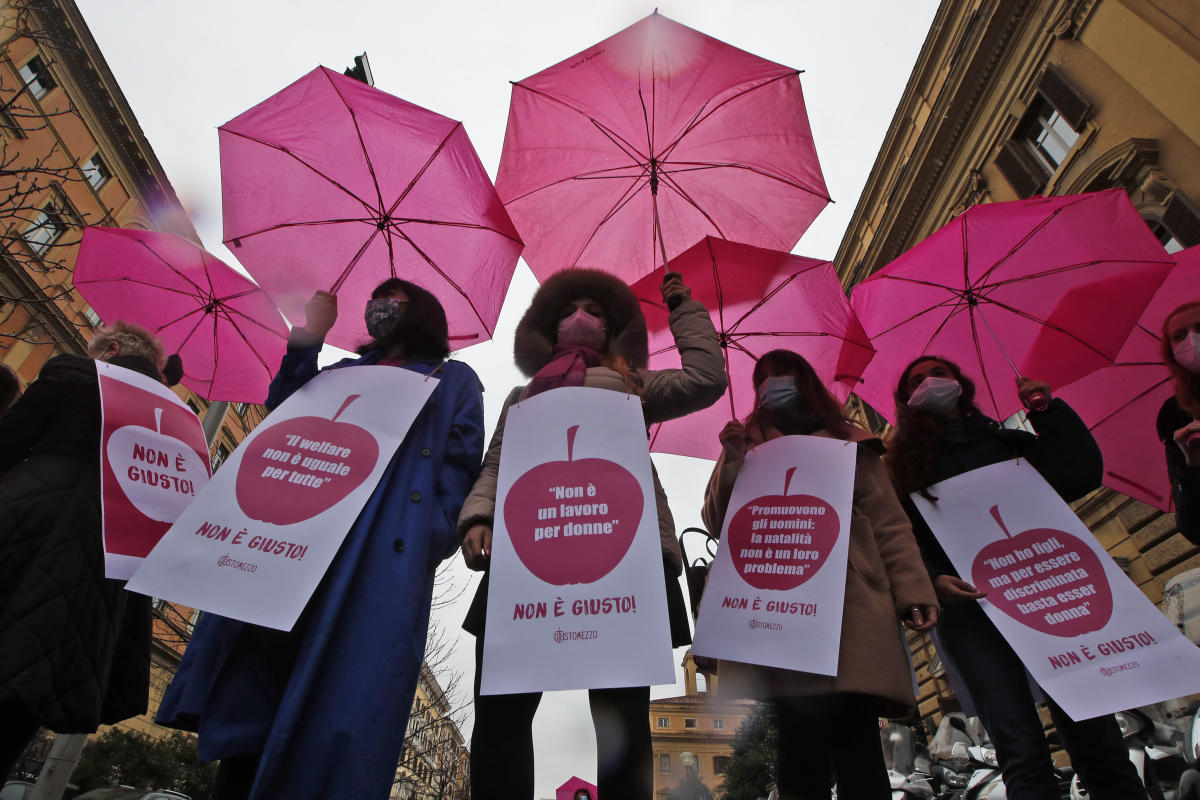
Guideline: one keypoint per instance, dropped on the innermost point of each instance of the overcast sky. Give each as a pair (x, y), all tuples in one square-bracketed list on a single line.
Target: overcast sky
[(187, 67)]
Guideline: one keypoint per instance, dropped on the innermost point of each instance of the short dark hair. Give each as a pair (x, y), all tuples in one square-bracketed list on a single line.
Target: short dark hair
[(422, 332)]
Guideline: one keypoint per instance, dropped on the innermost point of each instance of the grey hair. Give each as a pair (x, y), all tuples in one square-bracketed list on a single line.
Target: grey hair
[(134, 340)]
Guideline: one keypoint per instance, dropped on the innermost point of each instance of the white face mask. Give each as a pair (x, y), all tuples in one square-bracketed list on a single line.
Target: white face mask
[(1187, 352), (936, 396), (777, 392)]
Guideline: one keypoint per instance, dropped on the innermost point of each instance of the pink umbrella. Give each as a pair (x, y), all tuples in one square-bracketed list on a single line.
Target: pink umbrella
[(759, 300), (331, 184), (1120, 402), (1047, 287), (227, 331), (626, 154)]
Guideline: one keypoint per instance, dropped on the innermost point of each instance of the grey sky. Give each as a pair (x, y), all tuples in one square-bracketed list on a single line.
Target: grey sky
[(187, 67)]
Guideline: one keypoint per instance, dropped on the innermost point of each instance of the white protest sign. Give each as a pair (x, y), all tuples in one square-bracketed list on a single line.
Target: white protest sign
[(577, 598), (153, 462), (778, 584), (259, 537), (1089, 637)]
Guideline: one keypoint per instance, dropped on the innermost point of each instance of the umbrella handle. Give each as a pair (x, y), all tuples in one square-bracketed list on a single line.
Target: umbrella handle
[(1038, 401)]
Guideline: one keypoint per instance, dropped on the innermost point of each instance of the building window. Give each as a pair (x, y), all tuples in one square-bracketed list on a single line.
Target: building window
[(218, 458), (1178, 226), (1045, 135), (194, 406), (664, 762), (239, 409), (719, 724), (92, 317), (1169, 242), (689, 723), (720, 764), (664, 722), (37, 77), (96, 171), (48, 226)]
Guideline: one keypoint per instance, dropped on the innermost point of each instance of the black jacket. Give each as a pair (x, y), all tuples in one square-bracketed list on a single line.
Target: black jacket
[(1064, 452), (74, 645), (1185, 480)]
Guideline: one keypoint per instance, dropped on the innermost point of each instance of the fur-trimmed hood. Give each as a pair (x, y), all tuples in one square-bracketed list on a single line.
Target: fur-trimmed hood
[(533, 344)]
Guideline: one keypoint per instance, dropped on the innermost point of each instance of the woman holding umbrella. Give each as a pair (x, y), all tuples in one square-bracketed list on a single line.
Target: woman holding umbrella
[(585, 328), (1177, 419), (322, 710), (941, 433), (829, 725)]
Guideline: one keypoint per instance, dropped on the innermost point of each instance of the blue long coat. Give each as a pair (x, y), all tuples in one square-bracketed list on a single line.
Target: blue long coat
[(327, 704)]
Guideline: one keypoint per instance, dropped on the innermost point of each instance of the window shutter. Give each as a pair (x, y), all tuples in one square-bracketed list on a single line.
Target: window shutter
[(1020, 168), (1070, 104), (1182, 222)]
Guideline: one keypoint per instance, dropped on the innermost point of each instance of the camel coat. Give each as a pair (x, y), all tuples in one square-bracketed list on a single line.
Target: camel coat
[(885, 576)]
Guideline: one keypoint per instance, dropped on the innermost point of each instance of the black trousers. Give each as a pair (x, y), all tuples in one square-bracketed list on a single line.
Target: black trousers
[(826, 738), (996, 679), (17, 726), (502, 742)]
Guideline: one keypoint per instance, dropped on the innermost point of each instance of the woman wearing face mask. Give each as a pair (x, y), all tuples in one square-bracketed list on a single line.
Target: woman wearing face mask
[(584, 328), (829, 725), (322, 710), (74, 645), (1177, 424), (940, 433)]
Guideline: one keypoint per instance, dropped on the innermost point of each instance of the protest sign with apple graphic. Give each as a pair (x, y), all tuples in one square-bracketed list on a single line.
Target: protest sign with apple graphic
[(159, 474), (303, 466), (799, 530), (1046, 579), (573, 521)]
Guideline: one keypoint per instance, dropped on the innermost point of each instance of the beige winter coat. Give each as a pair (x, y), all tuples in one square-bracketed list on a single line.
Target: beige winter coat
[(666, 394), (885, 576)]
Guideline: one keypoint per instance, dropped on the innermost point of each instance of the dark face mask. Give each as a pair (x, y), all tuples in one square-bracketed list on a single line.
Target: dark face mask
[(382, 315)]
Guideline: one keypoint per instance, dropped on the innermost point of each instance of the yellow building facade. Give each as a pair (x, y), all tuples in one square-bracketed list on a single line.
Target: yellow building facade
[(1012, 98), (694, 733)]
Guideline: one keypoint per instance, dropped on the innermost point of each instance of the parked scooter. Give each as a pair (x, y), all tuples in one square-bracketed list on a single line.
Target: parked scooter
[(1162, 746), (907, 764)]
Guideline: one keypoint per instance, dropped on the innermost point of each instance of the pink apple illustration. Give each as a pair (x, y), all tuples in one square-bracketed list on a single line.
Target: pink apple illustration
[(1060, 609), (573, 535), (159, 474), (824, 529), (271, 488)]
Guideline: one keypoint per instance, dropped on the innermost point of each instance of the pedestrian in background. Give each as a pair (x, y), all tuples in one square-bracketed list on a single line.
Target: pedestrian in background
[(321, 711), (941, 433), (829, 725), (585, 328), (74, 645)]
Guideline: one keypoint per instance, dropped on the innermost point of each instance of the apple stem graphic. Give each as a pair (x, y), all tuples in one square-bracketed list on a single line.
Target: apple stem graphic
[(995, 510), (349, 400), (787, 480), (571, 431), (158, 412)]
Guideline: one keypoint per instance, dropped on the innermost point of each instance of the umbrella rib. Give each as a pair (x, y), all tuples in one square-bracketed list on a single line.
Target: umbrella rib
[(1140, 395), (362, 145), (190, 333), (230, 311), (337, 284), (139, 282), (282, 225), (767, 297), (670, 182), (696, 165), (1068, 268), (593, 175), (254, 351), (696, 121), (468, 225), (429, 161), (453, 284), (957, 305), (197, 310), (303, 163), (1024, 239), (983, 373), (622, 201), (716, 274), (1047, 324), (171, 266), (626, 146)]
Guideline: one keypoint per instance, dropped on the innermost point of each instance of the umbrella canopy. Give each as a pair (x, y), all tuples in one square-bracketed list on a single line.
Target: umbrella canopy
[(227, 331), (1120, 402), (332, 184), (759, 300), (626, 154), (1048, 287)]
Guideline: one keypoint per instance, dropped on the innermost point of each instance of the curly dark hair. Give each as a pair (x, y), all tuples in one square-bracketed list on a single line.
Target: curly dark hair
[(1187, 384), (823, 406), (912, 446), (422, 333)]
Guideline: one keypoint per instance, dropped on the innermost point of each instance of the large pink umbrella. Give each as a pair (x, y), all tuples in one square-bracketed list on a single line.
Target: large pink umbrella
[(227, 331), (332, 184), (624, 155), (1048, 287), (1120, 402), (759, 300)]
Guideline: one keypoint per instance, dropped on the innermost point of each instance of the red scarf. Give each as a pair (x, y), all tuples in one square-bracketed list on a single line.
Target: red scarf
[(567, 368)]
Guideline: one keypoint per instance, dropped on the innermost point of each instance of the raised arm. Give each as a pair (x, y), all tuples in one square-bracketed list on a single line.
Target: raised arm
[(479, 509), (299, 365), (700, 381)]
